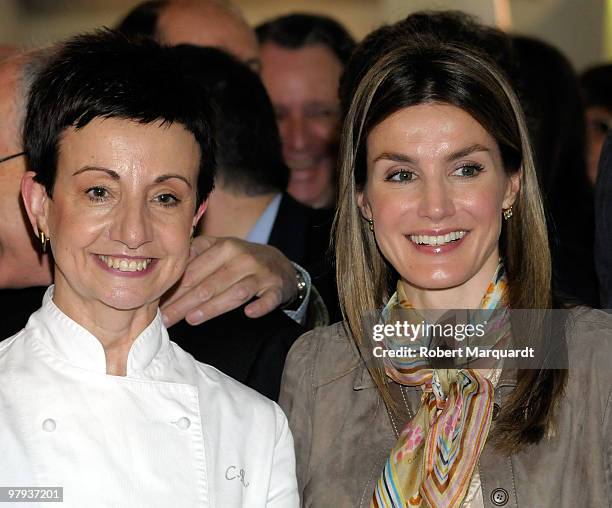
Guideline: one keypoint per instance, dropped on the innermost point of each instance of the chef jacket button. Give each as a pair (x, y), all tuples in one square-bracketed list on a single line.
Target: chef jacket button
[(49, 425), (499, 497), (183, 423)]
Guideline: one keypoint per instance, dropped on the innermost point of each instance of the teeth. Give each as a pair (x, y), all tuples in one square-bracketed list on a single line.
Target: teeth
[(123, 265), (437, 240)]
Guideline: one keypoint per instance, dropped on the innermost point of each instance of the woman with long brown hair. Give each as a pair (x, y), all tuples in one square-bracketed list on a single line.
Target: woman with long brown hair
[(439, 200)]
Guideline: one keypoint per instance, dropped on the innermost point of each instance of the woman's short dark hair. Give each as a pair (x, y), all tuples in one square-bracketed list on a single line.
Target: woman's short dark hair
[(295, 31), (105, 75), (249, 150)]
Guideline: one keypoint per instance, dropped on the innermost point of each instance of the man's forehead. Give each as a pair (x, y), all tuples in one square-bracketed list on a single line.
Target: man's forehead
[(208, 24)]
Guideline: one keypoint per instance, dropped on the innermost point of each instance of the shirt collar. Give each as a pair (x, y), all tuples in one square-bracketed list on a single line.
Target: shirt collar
[(263, 227), (71, 342)]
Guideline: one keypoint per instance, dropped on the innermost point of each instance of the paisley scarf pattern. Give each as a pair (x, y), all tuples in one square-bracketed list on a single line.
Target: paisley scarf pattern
[(437, 451)]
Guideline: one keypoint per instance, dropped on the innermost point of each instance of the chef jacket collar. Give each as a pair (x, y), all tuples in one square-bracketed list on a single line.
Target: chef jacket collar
[(76, 345)]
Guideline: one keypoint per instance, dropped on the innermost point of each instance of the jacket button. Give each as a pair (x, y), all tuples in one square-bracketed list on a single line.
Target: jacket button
[(49, 425), (499, 497), (496, 409), (183, 423)]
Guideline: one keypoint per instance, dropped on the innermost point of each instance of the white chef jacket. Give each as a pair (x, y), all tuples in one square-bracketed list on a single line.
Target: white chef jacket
[(172, 433)]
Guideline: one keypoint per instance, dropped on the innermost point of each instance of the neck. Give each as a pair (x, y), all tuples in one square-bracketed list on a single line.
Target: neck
[(230, 214), (115, 329), (464, 296)]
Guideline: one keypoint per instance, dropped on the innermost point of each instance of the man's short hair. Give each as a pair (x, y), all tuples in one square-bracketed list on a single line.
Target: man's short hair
[(142, 20), (296, 31), (249, 151), (106, 75), (597, 86)]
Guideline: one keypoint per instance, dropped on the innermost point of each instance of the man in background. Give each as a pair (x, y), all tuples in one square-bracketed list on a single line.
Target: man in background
[(596, 85), (250, 199), (303, 57), (211, 23)]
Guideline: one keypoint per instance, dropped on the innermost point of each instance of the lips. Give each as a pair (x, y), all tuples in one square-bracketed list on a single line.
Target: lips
[(126, 264), (438, 239), (437, 242)]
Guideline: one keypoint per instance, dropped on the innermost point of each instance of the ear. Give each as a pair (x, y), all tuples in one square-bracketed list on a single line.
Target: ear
[(36, 203), (512, 188), (200, 211), (364, 205)]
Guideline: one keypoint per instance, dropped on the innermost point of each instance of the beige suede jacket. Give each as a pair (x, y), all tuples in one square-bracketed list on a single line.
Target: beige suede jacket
[(343, 432)]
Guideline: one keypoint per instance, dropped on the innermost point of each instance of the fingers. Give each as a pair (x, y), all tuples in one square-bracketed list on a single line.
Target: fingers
[(267, 302), (223, 274), (230, 299)]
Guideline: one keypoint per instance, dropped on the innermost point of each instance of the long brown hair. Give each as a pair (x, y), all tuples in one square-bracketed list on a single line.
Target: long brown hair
[(449, 74)]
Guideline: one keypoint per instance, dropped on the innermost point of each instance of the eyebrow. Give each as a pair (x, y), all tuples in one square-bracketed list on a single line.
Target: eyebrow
[(394, 156), (467, 151), (163, 178), (463, 152), (115, 176)]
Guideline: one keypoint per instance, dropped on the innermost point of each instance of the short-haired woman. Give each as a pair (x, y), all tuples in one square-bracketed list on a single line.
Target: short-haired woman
[(95, 398)]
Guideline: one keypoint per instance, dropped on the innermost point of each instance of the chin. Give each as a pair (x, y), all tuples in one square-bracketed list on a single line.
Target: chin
[(436, 280), (122, 299)]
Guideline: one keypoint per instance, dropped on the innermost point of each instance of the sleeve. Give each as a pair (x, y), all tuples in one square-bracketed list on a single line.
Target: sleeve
[(299, 315), (297, 400), (283, 492)]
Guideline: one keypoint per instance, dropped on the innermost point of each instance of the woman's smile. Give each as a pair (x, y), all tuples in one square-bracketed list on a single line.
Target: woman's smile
[(126, 266), (437, 242)]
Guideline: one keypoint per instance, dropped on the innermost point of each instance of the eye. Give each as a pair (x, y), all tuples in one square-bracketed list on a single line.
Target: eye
[(320, 112), (97, 194), (468, 170), (167, 200), (401, 176)]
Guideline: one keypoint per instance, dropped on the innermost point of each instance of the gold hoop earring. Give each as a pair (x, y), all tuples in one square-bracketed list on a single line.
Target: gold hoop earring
[(371, 224), (508, 212), (43, 240)]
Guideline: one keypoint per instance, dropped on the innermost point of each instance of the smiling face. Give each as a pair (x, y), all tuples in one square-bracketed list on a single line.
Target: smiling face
[(123, 207), (436, 188), (303, 86)]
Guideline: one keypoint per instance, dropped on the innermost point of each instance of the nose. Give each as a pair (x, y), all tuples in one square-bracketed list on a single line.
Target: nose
[(295, 133), (131, 224), (436, 201)]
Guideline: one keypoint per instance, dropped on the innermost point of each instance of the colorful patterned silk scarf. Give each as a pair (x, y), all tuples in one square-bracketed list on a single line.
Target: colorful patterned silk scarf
[(437, 451)]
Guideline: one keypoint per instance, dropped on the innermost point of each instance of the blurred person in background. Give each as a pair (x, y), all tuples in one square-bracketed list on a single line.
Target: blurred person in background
[(303, 56), (597, 88), (222, 275), (250, 199), (550, 94), (214, 23), (603, 224)]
